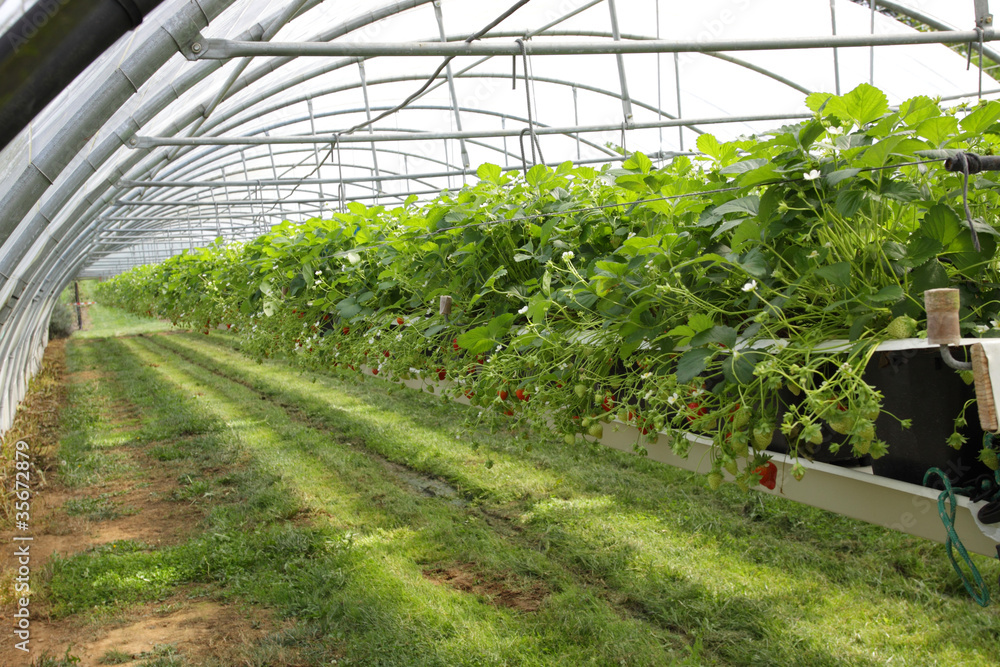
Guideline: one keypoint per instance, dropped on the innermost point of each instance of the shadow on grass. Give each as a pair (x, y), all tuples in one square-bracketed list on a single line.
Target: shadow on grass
[(733, 621)]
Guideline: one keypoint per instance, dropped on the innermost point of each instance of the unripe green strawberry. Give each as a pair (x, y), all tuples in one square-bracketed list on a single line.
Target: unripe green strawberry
[(798, 471), (842, 425), (865, 430), (729, 463), (794, 388), (762, 437), (903, 326), (741, 418), (569, 439), (596, 430), (812, 432), (861, 447), (715, 480), (580, 390), (989, 458)]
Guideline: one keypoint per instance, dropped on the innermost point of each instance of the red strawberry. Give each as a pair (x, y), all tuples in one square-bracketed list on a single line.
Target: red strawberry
[(374, 371), (768, 474), (509, 413), (386, 353), (442, 374), (346, 330), (608, 403), (503, 394), (454, 344), (521, 396), (399, 320), (698, 411)]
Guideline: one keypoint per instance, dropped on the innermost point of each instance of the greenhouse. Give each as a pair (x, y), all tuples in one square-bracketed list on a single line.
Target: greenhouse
[(517, 332)]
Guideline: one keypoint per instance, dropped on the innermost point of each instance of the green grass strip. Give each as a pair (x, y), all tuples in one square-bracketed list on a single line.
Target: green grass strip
[(749, 575), (387, 611)]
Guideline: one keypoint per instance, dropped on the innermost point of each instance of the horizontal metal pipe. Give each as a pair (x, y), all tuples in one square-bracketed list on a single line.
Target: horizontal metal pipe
[(358, 179), (241, 202), (221, 49), (152, 142)]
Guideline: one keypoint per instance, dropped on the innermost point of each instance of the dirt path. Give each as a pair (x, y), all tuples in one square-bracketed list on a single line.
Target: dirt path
[(143, 506)]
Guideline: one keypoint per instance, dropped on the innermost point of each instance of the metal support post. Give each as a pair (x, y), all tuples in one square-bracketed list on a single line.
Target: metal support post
[(368, 115), (312, 128), (79, 313), (836, 56), (451, 84), (626, 100)]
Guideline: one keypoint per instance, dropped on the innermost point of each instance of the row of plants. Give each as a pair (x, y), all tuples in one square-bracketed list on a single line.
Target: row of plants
[(689, 298)]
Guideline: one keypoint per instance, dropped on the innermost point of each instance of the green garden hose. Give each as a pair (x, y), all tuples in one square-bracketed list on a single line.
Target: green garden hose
[(976, 587)]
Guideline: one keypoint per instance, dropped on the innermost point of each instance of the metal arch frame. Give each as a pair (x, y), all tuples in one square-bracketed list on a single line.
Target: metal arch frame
[(306, 76), (191, 165), (930, 22), (251, 104), (23, 334), (401, 6), (483, 112), (68, 143), (196, 166), (56, 156), (740, 63), (140, 67), (21, 344)]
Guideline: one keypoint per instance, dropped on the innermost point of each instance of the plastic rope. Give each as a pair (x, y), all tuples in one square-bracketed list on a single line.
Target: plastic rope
[(976, 587)]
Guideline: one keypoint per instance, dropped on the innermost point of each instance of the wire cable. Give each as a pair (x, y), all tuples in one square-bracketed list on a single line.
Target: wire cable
[(427, 84), (409, 100)]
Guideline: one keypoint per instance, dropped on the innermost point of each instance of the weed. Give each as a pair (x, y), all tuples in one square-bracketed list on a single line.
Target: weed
[(67, 660), (115, 657)]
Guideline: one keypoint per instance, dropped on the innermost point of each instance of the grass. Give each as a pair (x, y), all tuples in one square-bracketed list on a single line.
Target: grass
[(105, 322), (115, 657), (396, 532), (101, 508)]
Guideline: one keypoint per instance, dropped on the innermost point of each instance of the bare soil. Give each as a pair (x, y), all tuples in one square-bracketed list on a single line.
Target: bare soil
[(510, 593), (144, 507)]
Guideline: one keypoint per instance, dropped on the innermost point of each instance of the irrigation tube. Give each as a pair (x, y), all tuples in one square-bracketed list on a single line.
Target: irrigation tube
[(222, 49), (50, 45)]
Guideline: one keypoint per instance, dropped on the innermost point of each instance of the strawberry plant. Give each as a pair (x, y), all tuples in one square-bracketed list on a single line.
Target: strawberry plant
[(696, 295)]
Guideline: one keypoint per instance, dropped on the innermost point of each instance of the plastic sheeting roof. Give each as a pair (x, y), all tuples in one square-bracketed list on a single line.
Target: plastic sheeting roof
[(72, 181), (566, 91)]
